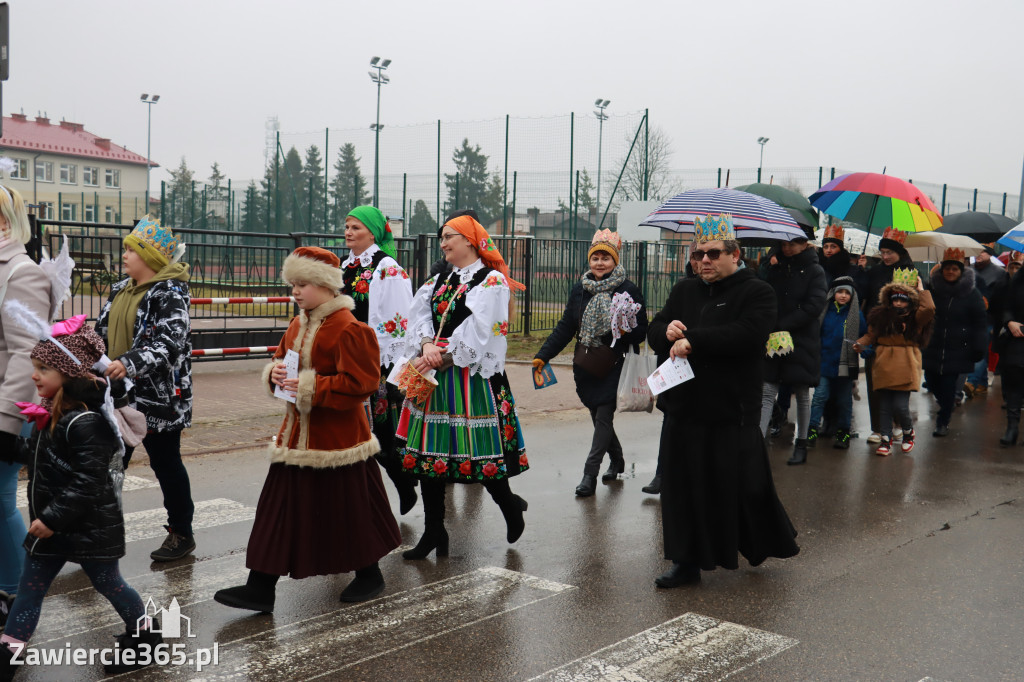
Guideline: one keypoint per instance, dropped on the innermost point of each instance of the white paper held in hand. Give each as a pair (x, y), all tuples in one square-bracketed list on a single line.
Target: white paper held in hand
[(671, 373), (291, 363)]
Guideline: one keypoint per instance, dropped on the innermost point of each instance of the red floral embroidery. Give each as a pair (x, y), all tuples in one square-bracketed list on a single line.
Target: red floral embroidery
[(523, 462), (409, 462), (362, 286), (440, 467), (442, 306), (510, 432), (466, 468), (390, 326), (490, 469)]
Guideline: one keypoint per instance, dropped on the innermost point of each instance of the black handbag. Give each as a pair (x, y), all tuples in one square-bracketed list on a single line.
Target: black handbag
[(596, 360)]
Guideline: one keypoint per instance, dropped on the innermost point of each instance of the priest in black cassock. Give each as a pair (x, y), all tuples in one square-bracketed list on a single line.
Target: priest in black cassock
[(718, 499)]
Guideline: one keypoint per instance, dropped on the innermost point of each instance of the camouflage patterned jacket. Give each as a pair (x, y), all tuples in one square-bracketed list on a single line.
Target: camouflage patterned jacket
[(160, 359)]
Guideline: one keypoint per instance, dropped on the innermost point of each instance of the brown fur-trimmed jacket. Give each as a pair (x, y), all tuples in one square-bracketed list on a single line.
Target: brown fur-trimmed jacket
[(339, 368), (898, 339)]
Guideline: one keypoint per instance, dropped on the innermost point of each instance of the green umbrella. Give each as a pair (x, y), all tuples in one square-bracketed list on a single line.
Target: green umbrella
[(786, 198)]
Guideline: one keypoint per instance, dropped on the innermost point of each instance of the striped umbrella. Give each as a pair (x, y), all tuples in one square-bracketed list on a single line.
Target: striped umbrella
[(877, 201), (752, 216), (1014, 239)]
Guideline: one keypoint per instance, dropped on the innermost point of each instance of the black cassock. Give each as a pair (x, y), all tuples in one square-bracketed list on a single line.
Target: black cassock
[(718, 498)]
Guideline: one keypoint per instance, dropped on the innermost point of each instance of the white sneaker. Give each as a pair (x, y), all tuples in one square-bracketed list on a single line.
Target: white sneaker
[(875, 437), (897, 434)]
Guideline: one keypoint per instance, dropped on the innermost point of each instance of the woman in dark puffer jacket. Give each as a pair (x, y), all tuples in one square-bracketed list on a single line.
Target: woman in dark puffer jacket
[(960, 337)]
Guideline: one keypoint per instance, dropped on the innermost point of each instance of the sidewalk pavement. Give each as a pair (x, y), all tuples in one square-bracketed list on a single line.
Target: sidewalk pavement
[(232, 411)]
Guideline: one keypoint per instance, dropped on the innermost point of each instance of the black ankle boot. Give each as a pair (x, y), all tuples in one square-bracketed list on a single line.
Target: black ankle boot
[(257, 594), (615, 467), (799, 455), (130, 640), (587, 486), (515, 524), (654, 487), (368, 583), (433, 538), (1010, 437), (406, 494), (678, 575), (7, 670)]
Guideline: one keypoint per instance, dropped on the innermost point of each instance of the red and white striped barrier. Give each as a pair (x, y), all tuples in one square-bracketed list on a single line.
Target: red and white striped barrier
[(253, 299), (203, 352)]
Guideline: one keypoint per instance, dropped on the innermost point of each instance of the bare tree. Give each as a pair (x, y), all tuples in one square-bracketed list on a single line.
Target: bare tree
[(654, 173)]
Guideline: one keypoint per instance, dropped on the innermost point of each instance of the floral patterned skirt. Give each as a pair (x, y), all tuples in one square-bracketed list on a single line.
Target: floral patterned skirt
[(467, 431)]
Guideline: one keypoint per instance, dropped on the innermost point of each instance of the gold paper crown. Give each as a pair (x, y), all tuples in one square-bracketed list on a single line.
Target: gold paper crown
[(895, 235), (711, 228), (834, 232), (907, 276), (953, 254)]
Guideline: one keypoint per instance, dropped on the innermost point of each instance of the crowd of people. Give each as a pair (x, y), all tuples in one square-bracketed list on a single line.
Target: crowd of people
[(374, 375)]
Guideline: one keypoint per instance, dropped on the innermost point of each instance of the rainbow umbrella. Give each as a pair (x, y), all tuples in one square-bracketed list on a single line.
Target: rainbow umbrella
[(877, 201)]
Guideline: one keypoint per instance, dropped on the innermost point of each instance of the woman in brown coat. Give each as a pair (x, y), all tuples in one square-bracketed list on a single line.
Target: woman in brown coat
[(898, 328)]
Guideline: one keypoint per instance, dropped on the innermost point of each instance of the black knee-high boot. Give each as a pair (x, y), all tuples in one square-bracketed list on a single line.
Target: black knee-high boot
[(434, 534), (404, 483), (257, 594), (1013, 404), (512, 507)]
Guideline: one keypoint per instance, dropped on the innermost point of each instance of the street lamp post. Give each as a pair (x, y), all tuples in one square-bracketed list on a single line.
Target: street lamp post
[(601, 104), (149, 102), (380, 79), (761, 141)]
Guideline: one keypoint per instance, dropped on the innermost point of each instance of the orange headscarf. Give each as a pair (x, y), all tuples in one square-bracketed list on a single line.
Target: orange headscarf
[(484, 245)]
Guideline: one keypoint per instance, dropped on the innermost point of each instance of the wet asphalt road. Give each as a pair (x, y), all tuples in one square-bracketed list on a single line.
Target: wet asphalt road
[(910, 568)]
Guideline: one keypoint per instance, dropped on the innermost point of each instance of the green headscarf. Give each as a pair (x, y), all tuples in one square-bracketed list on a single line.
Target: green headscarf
[(378, 225)]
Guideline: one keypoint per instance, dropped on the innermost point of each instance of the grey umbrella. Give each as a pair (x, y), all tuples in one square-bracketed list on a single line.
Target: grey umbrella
[(984, 227)]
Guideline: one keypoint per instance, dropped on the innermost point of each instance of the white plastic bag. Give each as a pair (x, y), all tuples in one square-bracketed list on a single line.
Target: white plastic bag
[(634, 395)]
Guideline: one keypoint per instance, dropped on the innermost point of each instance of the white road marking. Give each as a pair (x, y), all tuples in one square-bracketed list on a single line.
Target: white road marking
[(130, 483), (691, 647), (314, 647), (144, 525)]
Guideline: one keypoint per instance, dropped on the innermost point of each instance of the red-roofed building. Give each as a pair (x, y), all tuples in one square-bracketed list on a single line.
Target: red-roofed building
[(71, 173)]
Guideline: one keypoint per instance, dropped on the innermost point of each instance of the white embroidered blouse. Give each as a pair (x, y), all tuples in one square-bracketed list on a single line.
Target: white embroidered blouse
[(390, 295)]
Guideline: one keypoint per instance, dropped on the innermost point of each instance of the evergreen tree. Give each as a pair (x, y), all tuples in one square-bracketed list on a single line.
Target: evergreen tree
[(313, 194), (254, 210), (217, 198), (421, 222), (474, 188), (348, 186), (182, 201), (290, 187)]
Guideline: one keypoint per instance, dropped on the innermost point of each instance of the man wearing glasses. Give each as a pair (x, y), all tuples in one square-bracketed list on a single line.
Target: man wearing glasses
[(718, 498)]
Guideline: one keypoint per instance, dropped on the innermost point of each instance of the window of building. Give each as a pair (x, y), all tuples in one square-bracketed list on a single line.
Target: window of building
[(89, 214), (68, 174), (67, 211), (44, 171), (20, 171), (90, 176), (108, 214), (113, 177), (46, 210)]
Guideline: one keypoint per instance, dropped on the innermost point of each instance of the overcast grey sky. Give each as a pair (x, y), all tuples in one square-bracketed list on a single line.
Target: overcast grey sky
[(930, 90)]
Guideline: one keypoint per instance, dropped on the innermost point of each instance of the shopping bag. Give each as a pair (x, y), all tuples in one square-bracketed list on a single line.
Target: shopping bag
[(634, 394)]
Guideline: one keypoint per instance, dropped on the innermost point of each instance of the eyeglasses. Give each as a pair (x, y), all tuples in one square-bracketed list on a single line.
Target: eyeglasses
[(712, 254), (448, 236)]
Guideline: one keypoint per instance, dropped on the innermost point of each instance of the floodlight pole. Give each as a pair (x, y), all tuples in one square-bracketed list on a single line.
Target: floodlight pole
[(601, 105), (380, 79), (1020, 204), (149, 102), (761, 141)]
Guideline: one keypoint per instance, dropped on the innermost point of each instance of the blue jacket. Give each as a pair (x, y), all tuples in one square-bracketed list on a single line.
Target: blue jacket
[(833, 332)]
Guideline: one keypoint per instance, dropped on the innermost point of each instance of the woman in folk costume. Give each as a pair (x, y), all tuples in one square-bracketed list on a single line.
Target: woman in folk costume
[(382, 293), (467, 429), (323, 509), (600, 305)]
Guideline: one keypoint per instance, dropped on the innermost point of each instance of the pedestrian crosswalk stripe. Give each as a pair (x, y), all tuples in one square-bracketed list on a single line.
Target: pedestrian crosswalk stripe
[(314, 647), (690, 647), (148, 524), (130, 483)]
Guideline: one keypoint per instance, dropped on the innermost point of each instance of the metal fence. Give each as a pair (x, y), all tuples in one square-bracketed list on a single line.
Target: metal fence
[(243, 264)]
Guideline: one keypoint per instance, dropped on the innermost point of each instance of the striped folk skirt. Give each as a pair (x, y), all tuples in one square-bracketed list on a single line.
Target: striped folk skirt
[(467, 431)]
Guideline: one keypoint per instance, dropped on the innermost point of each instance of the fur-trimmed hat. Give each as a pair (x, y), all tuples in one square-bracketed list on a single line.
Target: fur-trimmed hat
[(607, 241), (892, 289), (73, 348), (313, 265)]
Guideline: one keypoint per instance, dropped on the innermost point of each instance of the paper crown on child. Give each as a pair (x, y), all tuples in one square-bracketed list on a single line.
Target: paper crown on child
[(905, 276), (313, 265), (954, 255), (607, 241), (711, 228), (834, 233), (779, 343), (155, 244), (894, 235)]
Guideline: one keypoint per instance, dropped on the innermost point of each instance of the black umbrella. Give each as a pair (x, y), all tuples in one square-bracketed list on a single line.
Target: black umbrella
[(984, 227)]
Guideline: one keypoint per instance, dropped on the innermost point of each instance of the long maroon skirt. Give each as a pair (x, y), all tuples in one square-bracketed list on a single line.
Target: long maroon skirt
[(321, 521)]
